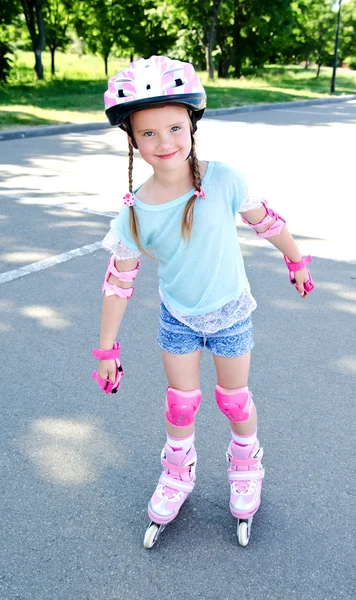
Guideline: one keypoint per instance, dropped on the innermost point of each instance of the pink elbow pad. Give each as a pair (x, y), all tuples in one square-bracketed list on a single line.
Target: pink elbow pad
[(275, 227), (109, 289)]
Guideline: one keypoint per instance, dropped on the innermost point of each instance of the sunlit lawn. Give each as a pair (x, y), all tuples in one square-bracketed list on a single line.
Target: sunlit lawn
[(75, 95)]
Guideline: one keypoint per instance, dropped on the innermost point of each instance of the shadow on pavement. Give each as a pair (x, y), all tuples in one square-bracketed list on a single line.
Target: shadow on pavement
[(80, 466)]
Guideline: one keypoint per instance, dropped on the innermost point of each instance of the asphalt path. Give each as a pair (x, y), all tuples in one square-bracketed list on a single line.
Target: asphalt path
[(77, 468)]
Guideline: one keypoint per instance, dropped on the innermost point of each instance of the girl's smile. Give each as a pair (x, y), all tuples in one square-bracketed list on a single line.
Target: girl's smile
[(165, 156)]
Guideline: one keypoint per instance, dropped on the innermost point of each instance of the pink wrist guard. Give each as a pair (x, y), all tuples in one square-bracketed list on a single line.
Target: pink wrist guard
[(109, 289), (274, 229), (292, 267), (106, 384)]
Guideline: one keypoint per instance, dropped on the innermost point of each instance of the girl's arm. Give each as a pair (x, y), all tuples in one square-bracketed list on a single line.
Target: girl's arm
[(113, 310), (283, 241)]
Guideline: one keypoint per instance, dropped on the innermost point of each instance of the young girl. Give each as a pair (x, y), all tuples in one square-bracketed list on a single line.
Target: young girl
[(184, 216)]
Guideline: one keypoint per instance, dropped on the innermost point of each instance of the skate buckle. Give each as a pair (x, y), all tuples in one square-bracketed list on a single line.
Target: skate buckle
[(228, 457)]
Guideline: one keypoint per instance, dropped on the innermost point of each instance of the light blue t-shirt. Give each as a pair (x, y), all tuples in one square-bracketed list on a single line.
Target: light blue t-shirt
[(201, 275)]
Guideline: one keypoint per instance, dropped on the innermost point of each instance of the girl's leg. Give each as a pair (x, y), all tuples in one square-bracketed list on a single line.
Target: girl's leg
[(232, 373), (245, 472), (178, 456), (182, 372)]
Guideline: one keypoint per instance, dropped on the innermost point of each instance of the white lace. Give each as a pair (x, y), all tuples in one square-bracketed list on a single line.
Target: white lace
[(112, 243), (222, 318)]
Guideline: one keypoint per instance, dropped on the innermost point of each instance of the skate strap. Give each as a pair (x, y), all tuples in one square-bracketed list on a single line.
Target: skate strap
[(244, 462), (177, 484), (172, 467), (245, 475)]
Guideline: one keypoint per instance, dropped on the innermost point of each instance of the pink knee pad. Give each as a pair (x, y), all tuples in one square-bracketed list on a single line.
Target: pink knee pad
[(182, 406), (235, 404)]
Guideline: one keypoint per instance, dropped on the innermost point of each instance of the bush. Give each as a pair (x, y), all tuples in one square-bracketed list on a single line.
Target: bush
[(5, 61)]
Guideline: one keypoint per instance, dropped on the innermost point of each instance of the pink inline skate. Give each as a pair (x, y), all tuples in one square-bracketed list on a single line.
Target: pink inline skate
[(245, 475), (175, 484)]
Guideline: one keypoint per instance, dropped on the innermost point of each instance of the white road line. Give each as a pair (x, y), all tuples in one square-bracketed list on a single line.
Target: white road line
[(49, 262), (110, 215)]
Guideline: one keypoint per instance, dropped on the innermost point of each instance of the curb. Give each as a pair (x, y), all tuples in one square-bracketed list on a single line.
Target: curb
[(39, 131)]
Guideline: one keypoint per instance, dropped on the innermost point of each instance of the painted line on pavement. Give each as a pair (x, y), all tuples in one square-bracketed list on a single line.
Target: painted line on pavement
[(49, 262)]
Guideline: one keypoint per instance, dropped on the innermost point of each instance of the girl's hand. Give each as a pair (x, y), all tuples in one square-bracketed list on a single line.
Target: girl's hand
[(107, 369), (301, 277)]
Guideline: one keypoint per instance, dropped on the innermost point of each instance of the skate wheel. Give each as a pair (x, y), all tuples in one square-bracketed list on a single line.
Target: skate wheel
[(243, 534), (151, 535)]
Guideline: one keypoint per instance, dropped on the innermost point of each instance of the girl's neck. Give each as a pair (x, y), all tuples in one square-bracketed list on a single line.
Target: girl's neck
[(176, 179)]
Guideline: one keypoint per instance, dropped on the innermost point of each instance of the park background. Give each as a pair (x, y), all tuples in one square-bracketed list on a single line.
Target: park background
[(56, 55)]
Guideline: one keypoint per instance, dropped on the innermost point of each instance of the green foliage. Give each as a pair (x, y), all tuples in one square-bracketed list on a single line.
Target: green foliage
[(249, 33), (5, 61)]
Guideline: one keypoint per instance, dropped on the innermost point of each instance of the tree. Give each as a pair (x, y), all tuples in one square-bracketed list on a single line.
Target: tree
[(252, 32), (348, 34), (34, 21), (100, 24), (209, 12), (56, 16), (315, 30), (201, 18), (9, 10)]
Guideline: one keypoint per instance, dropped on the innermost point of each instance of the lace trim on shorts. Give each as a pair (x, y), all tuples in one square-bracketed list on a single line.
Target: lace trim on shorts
[(222, 318), (112, 243)]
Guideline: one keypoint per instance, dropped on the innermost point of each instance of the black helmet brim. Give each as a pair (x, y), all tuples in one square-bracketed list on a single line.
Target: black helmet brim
[(118, 115)]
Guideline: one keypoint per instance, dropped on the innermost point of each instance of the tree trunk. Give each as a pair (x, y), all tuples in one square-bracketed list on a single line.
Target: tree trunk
[(53, 69), (319, 67), (106, 57), (214, 20), (209, 62), (34, 21), (209, 38), (236, 57), (38, 64)]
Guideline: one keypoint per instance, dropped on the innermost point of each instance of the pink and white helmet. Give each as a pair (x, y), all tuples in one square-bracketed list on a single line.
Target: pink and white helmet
[(148, 83)]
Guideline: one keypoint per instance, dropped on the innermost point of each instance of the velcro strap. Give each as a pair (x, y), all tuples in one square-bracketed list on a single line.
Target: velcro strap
[(172, 467), (107, 385), (107, 354), (255, 475), (243, 462), (299, 265), (126, 276), (110, 289), (177, 484)]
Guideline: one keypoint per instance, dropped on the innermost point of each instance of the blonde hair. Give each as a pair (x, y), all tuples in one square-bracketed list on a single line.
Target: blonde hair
[(187, 218)]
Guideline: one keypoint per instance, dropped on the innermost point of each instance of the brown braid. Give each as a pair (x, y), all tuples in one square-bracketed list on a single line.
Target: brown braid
[(187, 219), (134, 227)]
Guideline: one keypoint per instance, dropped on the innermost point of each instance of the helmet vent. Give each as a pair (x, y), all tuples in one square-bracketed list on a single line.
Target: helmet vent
[(121, 94), (179, 82), (148, 87)]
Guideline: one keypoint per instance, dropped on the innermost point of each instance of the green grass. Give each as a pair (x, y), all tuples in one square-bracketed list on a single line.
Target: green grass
[(75, 95)]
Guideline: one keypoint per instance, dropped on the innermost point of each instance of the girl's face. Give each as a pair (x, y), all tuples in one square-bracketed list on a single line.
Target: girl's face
[(163, 136)]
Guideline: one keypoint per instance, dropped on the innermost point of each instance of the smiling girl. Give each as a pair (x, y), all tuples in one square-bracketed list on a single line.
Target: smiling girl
[(184, 215)]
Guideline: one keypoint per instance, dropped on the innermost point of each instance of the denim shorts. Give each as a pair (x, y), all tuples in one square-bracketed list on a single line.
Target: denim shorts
[(177, 338)]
